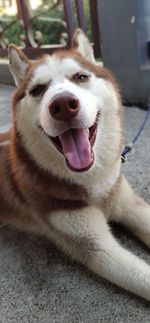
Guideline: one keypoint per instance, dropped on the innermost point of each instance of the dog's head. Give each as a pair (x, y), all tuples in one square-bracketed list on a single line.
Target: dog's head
[(67, 108)]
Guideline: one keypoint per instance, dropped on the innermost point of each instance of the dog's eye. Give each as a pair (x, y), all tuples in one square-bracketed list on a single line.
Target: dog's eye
[(81, 77), (38, 90)]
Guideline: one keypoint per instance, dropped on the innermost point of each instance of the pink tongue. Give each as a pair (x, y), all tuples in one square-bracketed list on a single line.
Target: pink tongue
[(76, 148)]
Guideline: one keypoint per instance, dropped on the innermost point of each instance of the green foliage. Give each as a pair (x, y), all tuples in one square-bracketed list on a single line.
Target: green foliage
[(51, 31), (12, 33), (87, 19)]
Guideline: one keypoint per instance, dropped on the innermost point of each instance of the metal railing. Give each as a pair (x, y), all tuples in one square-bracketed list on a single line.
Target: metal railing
[(30, 42)]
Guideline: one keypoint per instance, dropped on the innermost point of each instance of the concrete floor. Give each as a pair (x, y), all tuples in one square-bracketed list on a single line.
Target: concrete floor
[(38, 284)]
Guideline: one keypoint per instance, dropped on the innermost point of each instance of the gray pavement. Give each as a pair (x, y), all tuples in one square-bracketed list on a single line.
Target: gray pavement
[(38, 284)]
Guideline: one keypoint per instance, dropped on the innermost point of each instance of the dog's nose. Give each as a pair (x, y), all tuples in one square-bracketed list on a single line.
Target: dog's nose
[(64, 106)]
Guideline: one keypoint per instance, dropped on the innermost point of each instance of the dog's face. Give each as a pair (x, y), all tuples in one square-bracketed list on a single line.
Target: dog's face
[(67, 108)]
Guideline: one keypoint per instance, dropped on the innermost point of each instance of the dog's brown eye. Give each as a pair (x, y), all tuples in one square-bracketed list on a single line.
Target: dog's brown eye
[(81, 77), (38, 90)]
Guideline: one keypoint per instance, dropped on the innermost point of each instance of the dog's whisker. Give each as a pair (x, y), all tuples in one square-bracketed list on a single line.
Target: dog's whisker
[(71, 193)]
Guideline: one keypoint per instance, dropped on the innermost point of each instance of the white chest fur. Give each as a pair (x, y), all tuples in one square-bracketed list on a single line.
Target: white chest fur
[(98, 185)]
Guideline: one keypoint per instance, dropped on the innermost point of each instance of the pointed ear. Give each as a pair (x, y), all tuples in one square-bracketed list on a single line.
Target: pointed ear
[(18, 63), (81, 43)]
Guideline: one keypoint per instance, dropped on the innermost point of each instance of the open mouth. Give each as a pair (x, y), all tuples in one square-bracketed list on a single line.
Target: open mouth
[(76, 146)]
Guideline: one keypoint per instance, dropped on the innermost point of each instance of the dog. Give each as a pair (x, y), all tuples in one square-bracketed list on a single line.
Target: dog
[(60, 164)]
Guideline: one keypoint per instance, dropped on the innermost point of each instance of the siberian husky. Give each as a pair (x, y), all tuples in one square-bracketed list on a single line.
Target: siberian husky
[(60, 165)]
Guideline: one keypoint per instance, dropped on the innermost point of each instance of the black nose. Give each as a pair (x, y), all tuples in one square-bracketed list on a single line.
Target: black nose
[(64, 106)]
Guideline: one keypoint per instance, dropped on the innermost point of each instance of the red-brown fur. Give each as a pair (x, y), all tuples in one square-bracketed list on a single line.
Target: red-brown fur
[(45, 193), (72, 215)]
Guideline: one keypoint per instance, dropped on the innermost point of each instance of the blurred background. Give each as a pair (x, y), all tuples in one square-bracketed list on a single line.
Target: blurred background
[(41, 22), (43, 26), (119, 30)]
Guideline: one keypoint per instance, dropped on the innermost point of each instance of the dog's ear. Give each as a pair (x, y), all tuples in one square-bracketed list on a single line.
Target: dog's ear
[(81, 43), (18, 63)]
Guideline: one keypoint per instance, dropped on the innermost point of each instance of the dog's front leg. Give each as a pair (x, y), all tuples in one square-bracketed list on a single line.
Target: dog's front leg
[(132, 211), (85, 235)]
